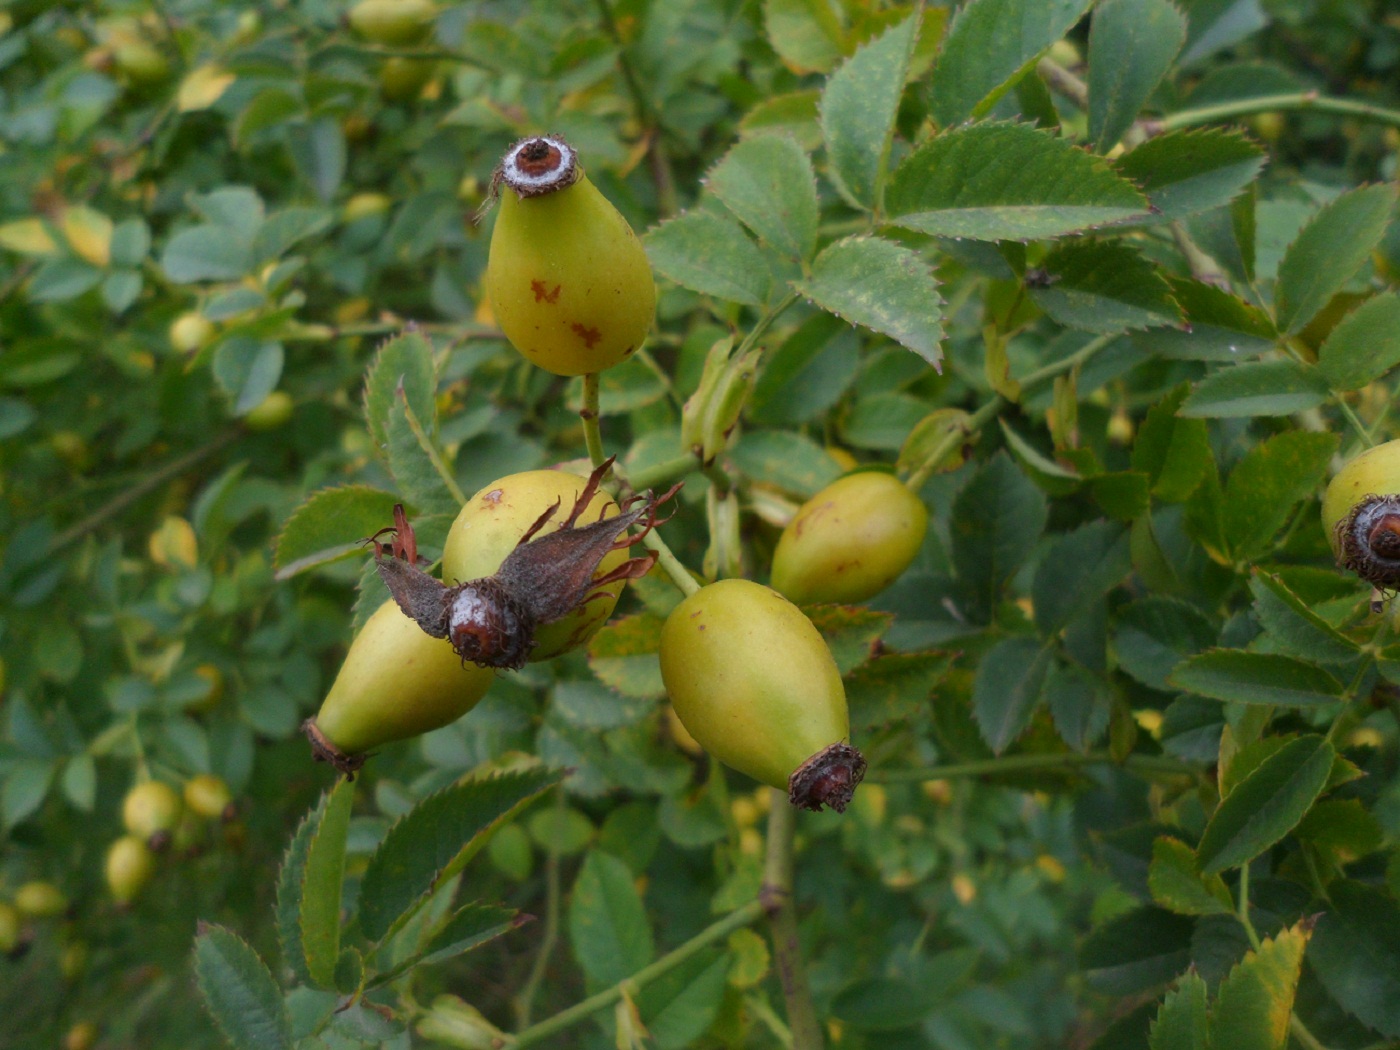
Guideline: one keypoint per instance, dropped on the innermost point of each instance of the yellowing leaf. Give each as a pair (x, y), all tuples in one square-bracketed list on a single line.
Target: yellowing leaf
[(28, 237), (202, 88), (1252, 1009), (88, 233)]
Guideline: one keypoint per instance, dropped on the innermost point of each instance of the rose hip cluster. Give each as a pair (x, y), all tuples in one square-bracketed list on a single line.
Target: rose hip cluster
[(535, 562)]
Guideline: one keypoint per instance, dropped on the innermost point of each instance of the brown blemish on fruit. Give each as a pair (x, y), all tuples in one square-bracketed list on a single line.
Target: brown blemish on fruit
[(629, 351), (543, 294), (494, 496), (589, 335)]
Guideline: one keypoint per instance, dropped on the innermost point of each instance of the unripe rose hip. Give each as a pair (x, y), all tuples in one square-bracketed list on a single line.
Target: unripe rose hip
[(1361, 516), (568, 280), (393, 22), (10, 928), (151, 811), (40, 900), (396, 683), (128, 868), (754, 683), (850, 541), (208, 796)]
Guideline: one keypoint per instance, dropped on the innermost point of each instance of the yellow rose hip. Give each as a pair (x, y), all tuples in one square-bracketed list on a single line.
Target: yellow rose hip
[(850, 541), (1361, 515), (754, 683), (567, 279)]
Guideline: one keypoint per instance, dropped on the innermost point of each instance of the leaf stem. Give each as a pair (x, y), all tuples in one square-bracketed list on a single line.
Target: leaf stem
[(765, 322), (1302, 100), (716, 931), (1027, 763), (663, 472), (430, 449), (776, 896)]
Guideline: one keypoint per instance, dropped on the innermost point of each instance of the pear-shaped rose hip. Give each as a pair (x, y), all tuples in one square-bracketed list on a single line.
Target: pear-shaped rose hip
[(393, 22), (128, 868), (1361, 515), (754, 683), (396, 683), (208, 796), (40, 900), (567, 278), (850, 541)]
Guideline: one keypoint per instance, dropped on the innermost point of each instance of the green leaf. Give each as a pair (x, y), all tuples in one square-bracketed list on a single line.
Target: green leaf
[(1103, 286), (1216, 24), (1266, 484), (1328, 251), (1365, 345), (680, 1006), (997, 520), (607, 923), (468, 928), (1256, 678), (247, 370), (1355, 953), (623, 654), (1255, 1000), (710, 254), (997, 181), (858, 110), (1173, 452), (239, 991), (767, 182), (1157, 633), (893, 687), (850, 632), (410, 453), (405, 360), (1258, 388), (792, 113), (989, 45), (1080, 703), (1220, 326), (807, 374), (1181, 1021), (1007, 689), (27, 783), (883, 286), (805, 34), (207, 253), (1140, 949), (1343, 829), (1192, 169), (1131, 47), (290, 880), (331, 524), (590, 705), (1079, 569), (1266, 805), (1178, 886), (1294, 627), (882, 1004), (789, 460), (323, 874), (434, 841)]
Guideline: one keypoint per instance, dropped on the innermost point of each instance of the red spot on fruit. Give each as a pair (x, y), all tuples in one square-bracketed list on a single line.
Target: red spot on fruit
[(543, 294), (588, 335)]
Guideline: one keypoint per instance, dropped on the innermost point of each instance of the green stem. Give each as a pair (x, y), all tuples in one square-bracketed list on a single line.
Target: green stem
[(1203, 267), (653, 542), (663, 472), (1084, 353), (1303, 100), (777, 901), (1027, 763), (538, 1033), (975, 423), (119, 503), (1349, 414), (592, 435), (765, 322), (1242, 907)]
